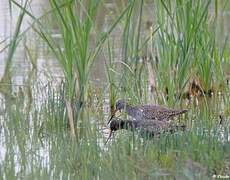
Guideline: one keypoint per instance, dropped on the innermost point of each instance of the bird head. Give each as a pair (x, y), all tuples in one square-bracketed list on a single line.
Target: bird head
[(120, 104)]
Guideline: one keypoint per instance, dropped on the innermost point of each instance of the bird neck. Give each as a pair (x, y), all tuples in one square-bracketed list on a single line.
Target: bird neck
[(128, 108)]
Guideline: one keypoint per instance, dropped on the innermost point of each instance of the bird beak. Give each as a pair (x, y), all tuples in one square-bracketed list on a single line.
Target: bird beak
[(110, 134), (113, 114)]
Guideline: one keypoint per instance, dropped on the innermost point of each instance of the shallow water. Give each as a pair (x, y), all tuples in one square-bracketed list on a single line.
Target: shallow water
[(45, 62), (28, 140)]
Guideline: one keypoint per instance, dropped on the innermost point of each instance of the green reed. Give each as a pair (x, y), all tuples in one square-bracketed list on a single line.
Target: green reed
[(133, 80), (111, 76), (38, 147), (14, 40), (180, 46), (174, 43), (76, 58), (186, 47)]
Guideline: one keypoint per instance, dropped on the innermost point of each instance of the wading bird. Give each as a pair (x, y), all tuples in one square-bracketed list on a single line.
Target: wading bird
[(147, 112)]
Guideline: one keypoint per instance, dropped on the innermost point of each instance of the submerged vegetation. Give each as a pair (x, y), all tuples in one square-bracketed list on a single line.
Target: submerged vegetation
[(156, 52)]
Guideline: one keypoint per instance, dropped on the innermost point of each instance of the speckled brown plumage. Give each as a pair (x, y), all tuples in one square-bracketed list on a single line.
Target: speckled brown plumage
[(150, 112)]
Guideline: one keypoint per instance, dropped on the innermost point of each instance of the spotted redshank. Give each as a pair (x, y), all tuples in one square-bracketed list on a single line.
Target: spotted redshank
[(147, 112)]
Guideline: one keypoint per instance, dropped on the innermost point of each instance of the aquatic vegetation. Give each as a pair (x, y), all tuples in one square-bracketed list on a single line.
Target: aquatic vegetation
[(76, 58), (155, 52), (14, 40)]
